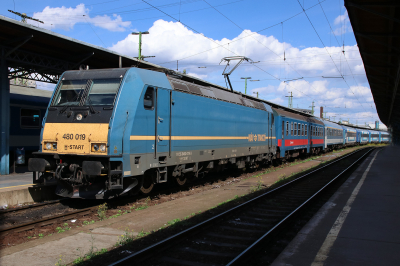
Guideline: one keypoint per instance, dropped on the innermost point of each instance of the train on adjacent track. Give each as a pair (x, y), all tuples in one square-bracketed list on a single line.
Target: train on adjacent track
[(120, 131)]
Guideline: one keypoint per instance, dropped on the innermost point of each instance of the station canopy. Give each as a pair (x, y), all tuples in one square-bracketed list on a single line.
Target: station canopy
[(376, 26), (39, 54)]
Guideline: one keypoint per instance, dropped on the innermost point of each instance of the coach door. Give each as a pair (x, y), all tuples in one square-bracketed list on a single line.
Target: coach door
[(162, 124)]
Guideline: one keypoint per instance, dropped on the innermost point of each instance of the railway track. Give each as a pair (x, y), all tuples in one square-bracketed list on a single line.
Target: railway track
[(231, 237)]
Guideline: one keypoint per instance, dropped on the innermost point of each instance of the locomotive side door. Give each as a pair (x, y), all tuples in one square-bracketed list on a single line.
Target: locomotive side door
[(310, 144), (162, 124)]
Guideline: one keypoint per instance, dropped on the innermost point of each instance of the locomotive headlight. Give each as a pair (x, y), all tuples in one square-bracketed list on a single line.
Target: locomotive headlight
[(102, 148), (95, 147), (50, 146), (99, 147)]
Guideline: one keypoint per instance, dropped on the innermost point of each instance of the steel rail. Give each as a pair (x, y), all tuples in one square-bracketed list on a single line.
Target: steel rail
[(31, 206), (46, 221), (165, 243), (240, 258)]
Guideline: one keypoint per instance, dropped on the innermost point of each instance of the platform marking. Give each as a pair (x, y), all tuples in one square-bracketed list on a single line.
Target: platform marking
[(17, 186), (330, 239)]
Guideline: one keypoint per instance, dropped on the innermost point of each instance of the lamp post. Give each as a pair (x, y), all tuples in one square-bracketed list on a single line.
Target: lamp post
[(256, 92), (140, 42), (245, 84)]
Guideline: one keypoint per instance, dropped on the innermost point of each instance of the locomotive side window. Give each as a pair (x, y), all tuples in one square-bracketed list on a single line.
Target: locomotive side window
[(30, 118), (287, 128), (148, 101)]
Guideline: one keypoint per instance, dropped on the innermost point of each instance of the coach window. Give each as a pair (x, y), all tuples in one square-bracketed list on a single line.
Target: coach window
[(306, 130), (287, 128), (30, 118), (298, 130), (295, 129), (291, 128), (148, 101), (302, 130)]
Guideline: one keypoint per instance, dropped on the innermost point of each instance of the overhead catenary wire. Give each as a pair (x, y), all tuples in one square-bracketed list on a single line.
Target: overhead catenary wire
[(222, 46), (238, 39), (328, 52), (339, 45), (284, 57)]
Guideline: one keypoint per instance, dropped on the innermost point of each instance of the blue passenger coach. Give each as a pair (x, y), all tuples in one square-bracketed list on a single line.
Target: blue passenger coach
[(334, 136), (364, 136), (297, 134), (374, 136), (350, 135), (385, 137)]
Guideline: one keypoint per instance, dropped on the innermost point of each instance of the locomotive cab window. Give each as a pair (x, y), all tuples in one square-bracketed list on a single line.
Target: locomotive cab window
[(148, 100), (87, 92), (103, 91), (30, 118)]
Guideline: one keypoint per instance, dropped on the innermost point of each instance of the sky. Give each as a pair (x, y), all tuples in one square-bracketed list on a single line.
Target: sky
[(301, 47)]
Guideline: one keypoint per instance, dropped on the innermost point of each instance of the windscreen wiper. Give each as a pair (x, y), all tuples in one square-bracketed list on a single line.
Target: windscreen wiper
[(73, 100), (92, 110)]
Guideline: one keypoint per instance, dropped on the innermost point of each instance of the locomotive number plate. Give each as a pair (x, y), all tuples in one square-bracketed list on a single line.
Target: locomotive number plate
[(74, 137)]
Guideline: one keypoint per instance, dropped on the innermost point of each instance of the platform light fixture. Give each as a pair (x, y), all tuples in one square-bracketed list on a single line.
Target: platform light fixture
[(245, 83), (140, 42)]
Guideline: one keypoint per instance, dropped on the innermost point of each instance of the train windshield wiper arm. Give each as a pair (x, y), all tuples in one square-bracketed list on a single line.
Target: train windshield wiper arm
[(89, 101)]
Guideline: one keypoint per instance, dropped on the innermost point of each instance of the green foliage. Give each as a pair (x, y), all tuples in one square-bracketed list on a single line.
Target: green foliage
[(87, 222), (174, 221), (60, 262), (102, 211), (126, 238), (62, 229)]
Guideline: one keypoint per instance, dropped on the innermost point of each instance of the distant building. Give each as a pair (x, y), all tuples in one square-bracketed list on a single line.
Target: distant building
[(306, 111), (23, 82)]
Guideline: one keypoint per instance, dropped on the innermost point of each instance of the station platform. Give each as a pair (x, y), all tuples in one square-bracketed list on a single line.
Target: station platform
[(19, 188), (359, 224)]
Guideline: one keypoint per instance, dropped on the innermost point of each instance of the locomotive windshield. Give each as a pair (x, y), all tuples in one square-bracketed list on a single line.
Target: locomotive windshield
[(87, 92)]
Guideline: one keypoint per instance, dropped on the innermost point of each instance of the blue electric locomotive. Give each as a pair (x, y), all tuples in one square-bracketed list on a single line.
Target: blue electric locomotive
[(110, 132)]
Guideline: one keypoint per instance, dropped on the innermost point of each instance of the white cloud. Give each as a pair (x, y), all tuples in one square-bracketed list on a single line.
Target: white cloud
[(67, 17), (264, 90), (171, 41), (343, 24)]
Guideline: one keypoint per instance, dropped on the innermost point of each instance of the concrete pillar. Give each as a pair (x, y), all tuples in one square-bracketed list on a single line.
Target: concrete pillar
[(4, 116)]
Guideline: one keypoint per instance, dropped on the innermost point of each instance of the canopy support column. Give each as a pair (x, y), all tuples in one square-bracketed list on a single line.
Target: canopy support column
[(4, 116)]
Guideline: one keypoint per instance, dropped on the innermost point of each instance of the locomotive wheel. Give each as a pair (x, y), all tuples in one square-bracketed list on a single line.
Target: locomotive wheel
[(147, 186), (181, 180)]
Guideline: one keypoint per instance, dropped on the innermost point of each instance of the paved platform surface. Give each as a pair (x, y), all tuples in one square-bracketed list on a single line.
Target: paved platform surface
[(359, 225), (15, 180)]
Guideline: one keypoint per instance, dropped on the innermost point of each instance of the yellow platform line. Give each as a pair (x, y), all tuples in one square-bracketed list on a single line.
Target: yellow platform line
[(17, 186)]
